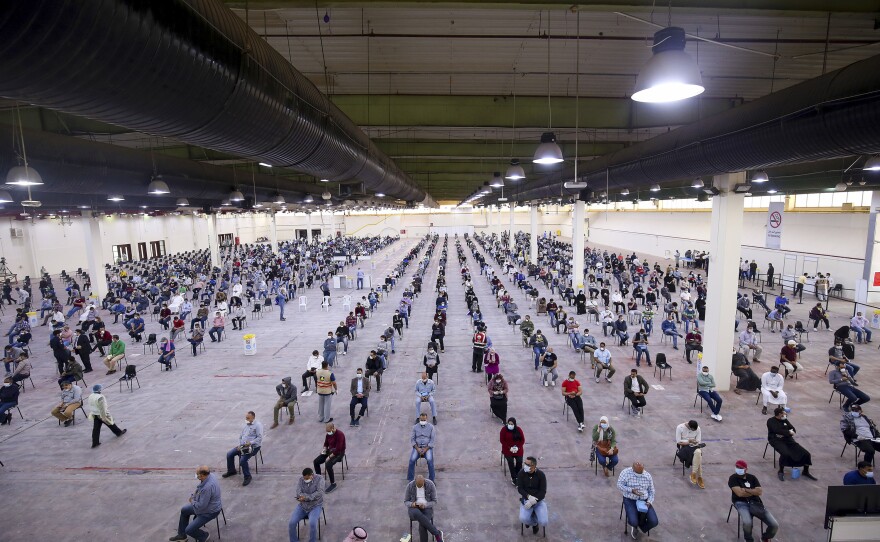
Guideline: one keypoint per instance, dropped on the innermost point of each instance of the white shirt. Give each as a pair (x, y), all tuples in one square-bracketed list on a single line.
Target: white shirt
[(314, 362), (685, 433), (420, 495), (770, 381), (859, 321), (634, 386)]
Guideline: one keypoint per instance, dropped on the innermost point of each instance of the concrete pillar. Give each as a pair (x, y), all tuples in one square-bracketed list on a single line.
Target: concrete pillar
[(533, 223), (94, 253), (725, 240), (872, 256), (273, 231), (577, 245), (213, 241), (309, 228), (512, 231)]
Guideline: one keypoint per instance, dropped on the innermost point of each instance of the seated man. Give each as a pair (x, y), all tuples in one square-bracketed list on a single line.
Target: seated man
[(602, 359), (532, 487), (166, 353), (178, 327), (360, 393), (607, 319), (117, 352), (425, 394), (863, 475), (249, 442), (860, 431), (238, 317), (620, 329), (195, 338), (836, 356), (420, 498), (22, 370), (844, 383), (310, 497), (204, 505), (640, 344), (637, 488), (771, 388), (332, 453), (774, 317), (375, 367), (286, 399), (746, 378), (635, 388), (669, 329), (136, 327), (8, 400), (788, 357), (422, 441), (746, 494), (791, 334), (860, 325), (748, 342), (216, 331), (693, 341), (780, 436), (689, 450)]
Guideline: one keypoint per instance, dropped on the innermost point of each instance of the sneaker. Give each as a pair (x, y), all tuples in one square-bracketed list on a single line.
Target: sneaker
[(439, 537), (607, 380), (597, 379), (815, 329), (553, 383), (352, 424), (718, 417), (581, 428), (632, 532), (546, 384), (247, 480), (330, 488), (434, 420)]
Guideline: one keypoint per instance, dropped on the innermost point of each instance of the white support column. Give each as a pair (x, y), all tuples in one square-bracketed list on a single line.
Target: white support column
[(213, 241), (725, 240), (273, 231), (512, 232), (533, 249), (577, 245), (872, 257), (94, 253), (309, 228)]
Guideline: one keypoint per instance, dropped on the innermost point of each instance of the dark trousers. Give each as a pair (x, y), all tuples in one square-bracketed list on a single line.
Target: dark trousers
[(477, 359), (354, 402), (86, 361), (322, 460), (637, 401), (305, 379), (514, 465), (425, 519), (576, 404), (96, 430), (644, 521), (869, 447), (499, 407)]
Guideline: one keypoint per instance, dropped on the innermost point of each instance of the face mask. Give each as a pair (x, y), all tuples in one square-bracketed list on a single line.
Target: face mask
[(784, 417), (360, 375), (498, 380), (603, 425), (869, 474), (740, 472), (602, 348), (423, 422), (510, 426), (775, 372), (856, 414), (705, 372), (309, 481), (6, 384), (329, 433)]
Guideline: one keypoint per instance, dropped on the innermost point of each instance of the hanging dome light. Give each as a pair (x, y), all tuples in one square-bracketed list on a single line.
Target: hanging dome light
[(624, 192), (115, 197), (308, 199), (278, 199), (326, 196), (485, 189), (380, 195), (182, 202), (6, 197), (671, 74), (515, 172), (840, 187), (258, 205), (760, 177), (698, 183), (655, 187), (236, 195), (548, 152), (497, 181), (23, 176), (872, 164), (225, 203), (158, 187)]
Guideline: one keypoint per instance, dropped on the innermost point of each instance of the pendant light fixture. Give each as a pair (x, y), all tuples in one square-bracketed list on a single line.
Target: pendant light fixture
[(760, 177), (278, 199), (671, 74), (698, 183), (515, 172), (872, 164), (655, 187), (115, 197), (158, 187), (236, 195), (22, 175), (548, 152), (497, 181), (308, 199), (5, 196), (182, 202)]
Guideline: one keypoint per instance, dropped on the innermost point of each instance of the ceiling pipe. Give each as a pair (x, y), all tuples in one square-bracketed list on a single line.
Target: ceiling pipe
[(831, 116), (190, 70)]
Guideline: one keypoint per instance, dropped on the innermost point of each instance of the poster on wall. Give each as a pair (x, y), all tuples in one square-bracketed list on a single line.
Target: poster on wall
[(775, 214)]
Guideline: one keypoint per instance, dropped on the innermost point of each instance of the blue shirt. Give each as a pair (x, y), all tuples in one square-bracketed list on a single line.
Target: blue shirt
[(854, 478), (206, 498)]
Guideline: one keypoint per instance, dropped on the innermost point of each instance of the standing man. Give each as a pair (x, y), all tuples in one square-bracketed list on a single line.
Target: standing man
[(360, 278), (310, 497), (479, 343), (420, 498), (532, 487), (286, 399), (326, 384), (637, 488), (204, 505), (572, 391), (746, 494), (332, 453), (360, 393), (100, 415), (83, 348), (799, 288), (281, 301), (249, 442)]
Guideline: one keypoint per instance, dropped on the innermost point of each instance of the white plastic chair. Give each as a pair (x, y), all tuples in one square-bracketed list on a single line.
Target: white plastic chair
[(325, 303), (346, 302), (303, 303)]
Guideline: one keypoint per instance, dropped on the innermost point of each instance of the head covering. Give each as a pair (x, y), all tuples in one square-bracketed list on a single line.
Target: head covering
[(97, 388), (740, 464), (359, 533), (791, 343), (603, 419)]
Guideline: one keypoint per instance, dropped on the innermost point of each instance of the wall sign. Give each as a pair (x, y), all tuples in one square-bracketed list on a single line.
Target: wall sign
[(775, 215)]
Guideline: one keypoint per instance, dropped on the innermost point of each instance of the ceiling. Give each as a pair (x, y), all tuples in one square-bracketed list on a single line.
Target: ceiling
[(453, 91)]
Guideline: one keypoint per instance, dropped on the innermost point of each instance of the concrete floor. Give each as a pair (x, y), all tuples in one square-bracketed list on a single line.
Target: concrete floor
[(57, 488)]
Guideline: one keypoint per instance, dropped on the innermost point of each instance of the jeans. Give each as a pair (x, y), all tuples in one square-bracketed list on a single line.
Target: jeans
[(859, 331), (413, 457), (360, 283), (230, 460), (649, 326), (536, 515), (645, 522), (215, 333), (194, 528), (610, 461), (713, 400), (330, 357), (674, 338), (538, 351), (6, 407), (314, 516), (854, 396), (425, 520), (748, 511), (552, 373), (642, 349), (429, 401)]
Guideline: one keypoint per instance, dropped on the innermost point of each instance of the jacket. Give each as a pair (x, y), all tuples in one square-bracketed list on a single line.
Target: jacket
[(9, 394), (534, 484), (335, 443), (627, 385), (848, 426), (206, 498), (287, 393), (409, 496), (705, 382), (508, 441), (422, 436), (71, 396), (366, 386), (98, 408), (313, 492)]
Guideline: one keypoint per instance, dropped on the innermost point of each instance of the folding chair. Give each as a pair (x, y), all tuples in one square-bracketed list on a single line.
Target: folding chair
[(151, 340), (305, 522), (129, 377)]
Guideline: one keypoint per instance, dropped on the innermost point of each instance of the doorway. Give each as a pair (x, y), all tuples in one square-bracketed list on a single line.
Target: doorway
[(122, 253)]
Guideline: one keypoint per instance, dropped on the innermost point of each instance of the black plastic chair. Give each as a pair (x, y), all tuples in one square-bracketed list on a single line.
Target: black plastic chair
[(129, 377), (151, 340)]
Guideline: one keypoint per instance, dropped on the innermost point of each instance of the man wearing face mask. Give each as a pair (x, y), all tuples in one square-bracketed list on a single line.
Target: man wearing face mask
[(635, 388), (746, 494), (498, 397), (843, 381), (8, 400), (330, 349), (204, 505), (860, 430), (707, 390), (333, 452), (286, 399), (862, 476), (572, 391), (637, 487), (771, 388), (689, 449), (431, 361), (549, 363), (538, 342), (425, 394), (422, 441), (603, 362), (310, 497), (532, 487), (360, 393), (249, 442), (513, 447), (780, 435)]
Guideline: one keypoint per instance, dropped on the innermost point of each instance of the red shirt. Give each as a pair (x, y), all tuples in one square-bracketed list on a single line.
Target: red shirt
[(570, 386), (507, 442)]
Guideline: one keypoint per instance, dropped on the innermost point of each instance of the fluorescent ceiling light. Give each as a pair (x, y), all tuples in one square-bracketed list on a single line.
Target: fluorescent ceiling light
[(325, 180), (548, 152), (158, 187), (115, 197), (671, 74), (264, 164), (23, 176), (515, 172), (380, 195), (771, 190)]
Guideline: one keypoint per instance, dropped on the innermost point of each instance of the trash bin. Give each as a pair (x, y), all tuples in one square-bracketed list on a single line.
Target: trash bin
[(32, 318), (250, 344)]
